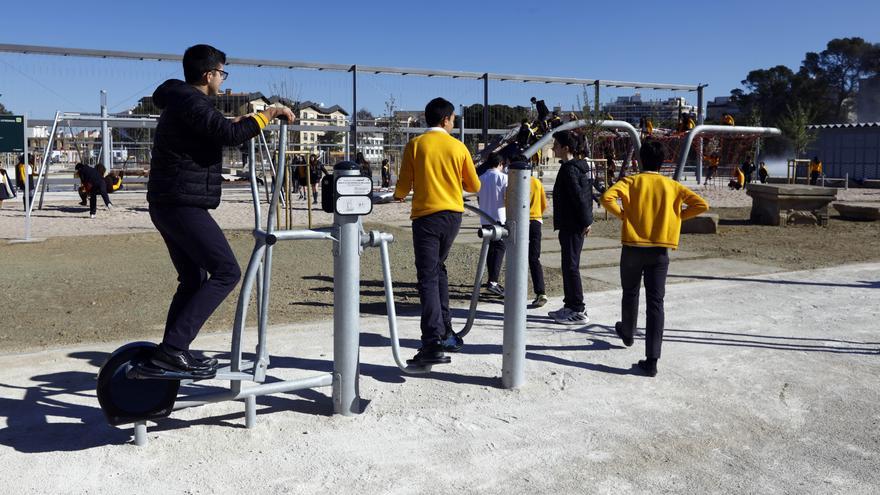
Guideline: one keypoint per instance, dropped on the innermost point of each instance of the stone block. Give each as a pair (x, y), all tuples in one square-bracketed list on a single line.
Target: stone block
[(858, 211), (704, 223), (787, 204)]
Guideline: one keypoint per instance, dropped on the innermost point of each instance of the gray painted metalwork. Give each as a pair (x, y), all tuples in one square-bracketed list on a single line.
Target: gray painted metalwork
[(346, 307), (346, 236), (717, 129), (106, 144), (80, 52), (382, 239), (516, 275), (700, 122)]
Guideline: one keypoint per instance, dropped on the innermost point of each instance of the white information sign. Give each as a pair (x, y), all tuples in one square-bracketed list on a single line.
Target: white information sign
[(354, 186), (353, 205)]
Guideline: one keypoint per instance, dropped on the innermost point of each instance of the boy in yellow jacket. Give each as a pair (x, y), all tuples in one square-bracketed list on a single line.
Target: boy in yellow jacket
[(651, 214), (436, 167)]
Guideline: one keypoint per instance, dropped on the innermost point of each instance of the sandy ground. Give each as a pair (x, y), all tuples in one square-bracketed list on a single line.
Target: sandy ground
[(63, 216), (766, 385)]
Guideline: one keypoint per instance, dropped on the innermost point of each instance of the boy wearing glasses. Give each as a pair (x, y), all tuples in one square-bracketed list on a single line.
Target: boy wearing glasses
[(184, 184)]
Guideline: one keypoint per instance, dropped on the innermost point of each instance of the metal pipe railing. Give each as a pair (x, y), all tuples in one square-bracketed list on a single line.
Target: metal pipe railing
[(716, 129)]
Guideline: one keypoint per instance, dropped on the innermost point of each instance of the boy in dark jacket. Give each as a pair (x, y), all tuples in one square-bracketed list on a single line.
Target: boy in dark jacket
[(184, 184), (572, 217), (93, 184)]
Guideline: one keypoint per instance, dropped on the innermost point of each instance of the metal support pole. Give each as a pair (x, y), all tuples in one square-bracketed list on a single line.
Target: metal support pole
[(346, 306), (27, 199), (461, 122), (700, 144), (44, 167), (250, 411), (486, 109), (106, 144), (354, 103), (140, 433), (514, 346)]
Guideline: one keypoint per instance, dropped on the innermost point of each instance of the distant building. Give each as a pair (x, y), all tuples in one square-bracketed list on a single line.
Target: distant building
[(410, 118), (309, 113), (848, 149), (719, 106), (632, 108), (231, 104)]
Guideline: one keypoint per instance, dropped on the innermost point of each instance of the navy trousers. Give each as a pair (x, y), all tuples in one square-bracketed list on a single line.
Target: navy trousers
[(99, 187), (535, 268), (571, 243), (432, 239), (207, 270), (494, 258), (652, 263)]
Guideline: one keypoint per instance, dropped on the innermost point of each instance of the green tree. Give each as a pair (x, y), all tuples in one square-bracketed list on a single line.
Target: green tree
[(330, 137), (839, 67), (794, 127), (365, 115), (4, 111)]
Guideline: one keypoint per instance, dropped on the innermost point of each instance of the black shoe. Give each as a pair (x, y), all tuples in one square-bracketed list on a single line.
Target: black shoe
[(618, 329), (428, 356), (171, 359), (648, 366), (82, 203), (208, 361), (452, 342)]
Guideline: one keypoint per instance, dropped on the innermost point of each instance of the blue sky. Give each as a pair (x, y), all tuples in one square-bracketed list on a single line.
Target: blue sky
[(676, 42)]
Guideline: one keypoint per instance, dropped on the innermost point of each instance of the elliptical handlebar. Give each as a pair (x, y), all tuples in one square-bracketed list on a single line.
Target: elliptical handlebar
[(381, 239), (482, 214)]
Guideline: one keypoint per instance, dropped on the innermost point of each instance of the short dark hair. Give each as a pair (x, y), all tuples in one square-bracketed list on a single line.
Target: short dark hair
[(199, 59), (436, 110), (566, 139), (651, 155)]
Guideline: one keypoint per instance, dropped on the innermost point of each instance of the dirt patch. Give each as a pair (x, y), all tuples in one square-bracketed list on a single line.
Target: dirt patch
[(797, 247), (72, 290)]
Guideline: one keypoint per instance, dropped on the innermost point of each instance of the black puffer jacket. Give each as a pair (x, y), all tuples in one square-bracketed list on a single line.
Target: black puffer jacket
[(572, 197), (187, 150)]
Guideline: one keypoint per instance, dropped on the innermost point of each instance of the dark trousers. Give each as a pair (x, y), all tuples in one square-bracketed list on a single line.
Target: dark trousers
[(432, 239), (494, 258), (572, 242), (98, 188), (814, 178), (535, 257), (198, 248), (653, 264)]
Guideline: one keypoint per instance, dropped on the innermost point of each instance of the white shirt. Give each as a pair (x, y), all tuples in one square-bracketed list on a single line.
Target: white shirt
[(492, 191)]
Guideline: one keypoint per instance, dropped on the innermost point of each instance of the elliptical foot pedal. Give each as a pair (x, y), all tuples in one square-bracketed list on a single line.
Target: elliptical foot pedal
[(125, 399), (145, 370)]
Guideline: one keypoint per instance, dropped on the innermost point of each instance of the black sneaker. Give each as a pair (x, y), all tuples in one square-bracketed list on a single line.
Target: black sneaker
[(177, 360), (618, 329), (495, 288), (648, 366), (452, 342), (428, 356)]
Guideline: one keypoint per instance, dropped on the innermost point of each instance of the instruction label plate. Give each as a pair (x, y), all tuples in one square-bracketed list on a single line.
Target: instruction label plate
[(354, 186), (354, 205)]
